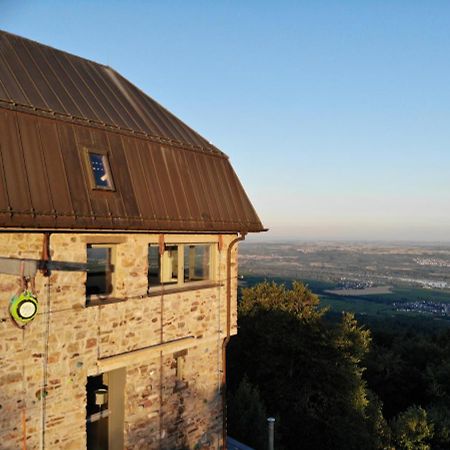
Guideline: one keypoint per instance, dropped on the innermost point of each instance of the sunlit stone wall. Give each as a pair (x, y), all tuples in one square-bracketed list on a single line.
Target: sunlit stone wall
[(44, 366)]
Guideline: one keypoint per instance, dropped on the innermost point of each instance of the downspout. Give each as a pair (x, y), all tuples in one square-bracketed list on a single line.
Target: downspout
[(227, 339), (45, 259)]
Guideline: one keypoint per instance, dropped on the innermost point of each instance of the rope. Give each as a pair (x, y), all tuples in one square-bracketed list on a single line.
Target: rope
[(24, 399), (45, 367)]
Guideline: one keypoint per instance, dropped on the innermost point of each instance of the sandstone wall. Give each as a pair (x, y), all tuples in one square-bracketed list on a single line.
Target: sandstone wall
[(66, 341)]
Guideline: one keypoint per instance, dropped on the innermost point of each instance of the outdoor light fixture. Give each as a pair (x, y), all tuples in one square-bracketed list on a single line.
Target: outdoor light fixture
[(23, 308), (101, 396)]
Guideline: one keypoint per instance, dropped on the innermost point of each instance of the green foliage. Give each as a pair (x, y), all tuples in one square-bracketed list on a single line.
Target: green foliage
[(247, 415), (379, 428), (439, 416), (411, 429), (309, 373), (299, 301)]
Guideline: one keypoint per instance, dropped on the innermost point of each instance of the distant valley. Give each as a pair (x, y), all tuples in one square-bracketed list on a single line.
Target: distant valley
[(371, 279)]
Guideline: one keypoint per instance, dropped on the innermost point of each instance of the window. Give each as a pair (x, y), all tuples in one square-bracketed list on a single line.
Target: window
[(100, 270), (196, 262), (99, 170), (180, 371), (179, 264), (169, 265), (105, 410)]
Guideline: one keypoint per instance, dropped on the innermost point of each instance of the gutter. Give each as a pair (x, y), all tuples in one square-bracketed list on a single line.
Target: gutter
[(227, 339)]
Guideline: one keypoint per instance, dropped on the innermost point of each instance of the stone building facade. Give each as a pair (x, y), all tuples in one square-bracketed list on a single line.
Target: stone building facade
[(122, 224), (140, 336)]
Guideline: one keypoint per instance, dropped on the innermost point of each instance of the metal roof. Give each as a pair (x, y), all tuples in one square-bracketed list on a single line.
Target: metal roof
[(54, 107), (42, 78)]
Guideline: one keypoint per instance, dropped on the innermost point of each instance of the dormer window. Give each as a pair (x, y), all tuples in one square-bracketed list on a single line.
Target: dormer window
[(100, 172)]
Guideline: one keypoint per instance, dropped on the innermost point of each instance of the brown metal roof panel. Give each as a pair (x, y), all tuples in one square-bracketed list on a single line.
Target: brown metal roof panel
[(10, 84), (13, 163), (156, 196), (133, 118), (3, 93), (65, 76), (169, 125), (55, 169), (220, 182), (34, 165), (221, 166), (185, 175), (74, 171), (211, 211), (119, 115), (87, 88), (4, 199), (29, 63), (139, 178), (121, 174), (201, 191), (68, 104), (21, 73), (161, 179), (138, 105), (164, 120), (182, 206)]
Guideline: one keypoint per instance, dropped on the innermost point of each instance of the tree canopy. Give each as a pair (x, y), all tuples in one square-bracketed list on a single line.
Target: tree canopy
[(309, 373)]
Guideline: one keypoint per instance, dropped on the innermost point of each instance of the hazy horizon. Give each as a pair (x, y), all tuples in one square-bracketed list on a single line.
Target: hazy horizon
[(335, 115)]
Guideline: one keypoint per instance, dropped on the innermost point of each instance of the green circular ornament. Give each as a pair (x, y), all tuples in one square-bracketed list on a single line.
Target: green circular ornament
[(23, 307)]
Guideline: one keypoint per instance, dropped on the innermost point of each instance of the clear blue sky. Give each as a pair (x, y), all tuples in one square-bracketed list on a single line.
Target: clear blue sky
[(335, 114)]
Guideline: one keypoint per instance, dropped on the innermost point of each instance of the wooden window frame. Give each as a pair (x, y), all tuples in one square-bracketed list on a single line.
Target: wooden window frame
[(95, 299), (181, 284), (92, 184)]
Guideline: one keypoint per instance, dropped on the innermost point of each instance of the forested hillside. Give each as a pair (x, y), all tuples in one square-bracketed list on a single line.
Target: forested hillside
[(334, 384)]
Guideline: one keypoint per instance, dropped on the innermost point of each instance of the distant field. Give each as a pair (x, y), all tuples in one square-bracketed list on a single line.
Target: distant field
[(357, 292), (376, 305)]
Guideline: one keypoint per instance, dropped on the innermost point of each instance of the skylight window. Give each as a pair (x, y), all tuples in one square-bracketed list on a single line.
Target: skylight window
[(101, 173)]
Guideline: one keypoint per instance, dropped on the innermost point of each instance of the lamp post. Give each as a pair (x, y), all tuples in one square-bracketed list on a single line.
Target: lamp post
[(270, 427)]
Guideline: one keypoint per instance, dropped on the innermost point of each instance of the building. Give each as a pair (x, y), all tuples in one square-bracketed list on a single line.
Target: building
[(123, 223)]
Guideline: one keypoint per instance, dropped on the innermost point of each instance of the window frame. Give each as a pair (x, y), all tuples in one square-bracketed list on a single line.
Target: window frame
[(90, 298), (107, 165), (181, 283)]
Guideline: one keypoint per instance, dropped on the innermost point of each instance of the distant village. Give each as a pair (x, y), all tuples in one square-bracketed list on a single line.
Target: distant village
[(423, 307)]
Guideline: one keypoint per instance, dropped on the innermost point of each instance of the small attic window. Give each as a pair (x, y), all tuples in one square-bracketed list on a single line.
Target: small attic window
[(101, 173)]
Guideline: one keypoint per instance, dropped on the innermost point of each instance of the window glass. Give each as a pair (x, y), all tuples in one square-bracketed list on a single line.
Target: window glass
[(196, 262), (99, 270), (100, 170), (154, 266), (169, 264), (179, 264)]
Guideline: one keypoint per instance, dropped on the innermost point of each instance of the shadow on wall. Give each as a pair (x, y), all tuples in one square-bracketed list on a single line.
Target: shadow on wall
[(189, 419)]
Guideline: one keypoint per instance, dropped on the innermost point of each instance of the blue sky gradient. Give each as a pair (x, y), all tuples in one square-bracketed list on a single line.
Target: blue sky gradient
[(335, 114)]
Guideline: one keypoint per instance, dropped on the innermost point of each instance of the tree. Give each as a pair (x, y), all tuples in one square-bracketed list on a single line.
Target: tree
[(411, 429), (308, 372), (247, 415)]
